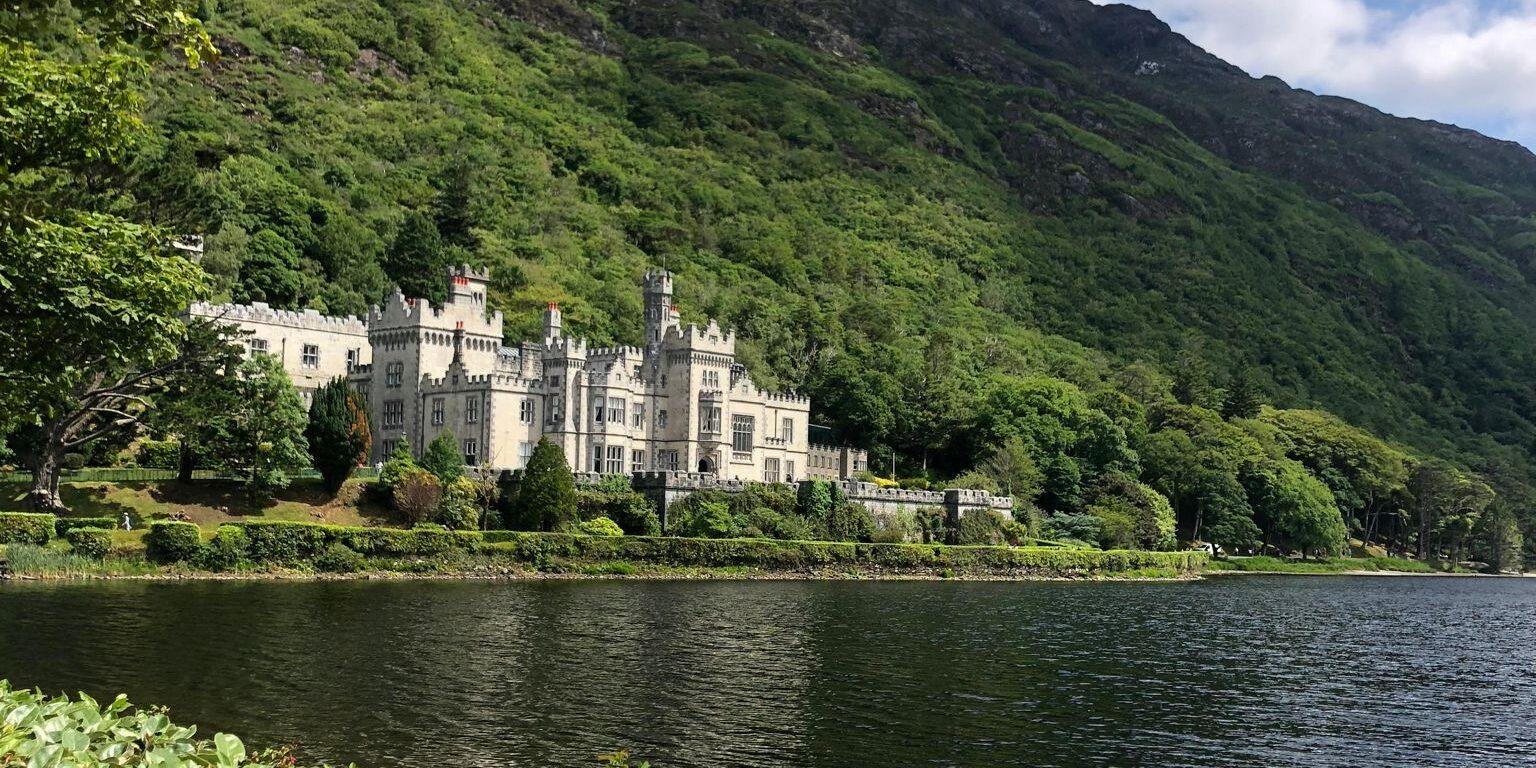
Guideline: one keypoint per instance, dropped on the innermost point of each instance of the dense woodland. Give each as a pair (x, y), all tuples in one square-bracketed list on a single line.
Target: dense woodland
[(998, 264)]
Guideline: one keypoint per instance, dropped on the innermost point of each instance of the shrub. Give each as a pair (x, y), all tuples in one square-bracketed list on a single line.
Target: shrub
[(763, 521), (159, 454), (339, 558), (980, 527), (64, 525), (398, 463), (707, 519), (442, 458), (459, 508), (546, 496), (850, 521), (172, 542), (600, 526), (417, 495), (73, 462), (227, 550), (284, 543), (630, 509), (337, 432), (90, 542), (26, 527)]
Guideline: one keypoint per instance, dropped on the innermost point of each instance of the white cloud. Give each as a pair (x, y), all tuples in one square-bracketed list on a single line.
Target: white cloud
[(1469, 62)]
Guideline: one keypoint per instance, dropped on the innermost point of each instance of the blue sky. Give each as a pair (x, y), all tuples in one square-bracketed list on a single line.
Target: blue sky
[(1467, 62)]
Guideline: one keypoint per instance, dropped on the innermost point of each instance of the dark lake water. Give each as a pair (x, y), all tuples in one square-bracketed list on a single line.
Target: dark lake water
[(1246, 670)]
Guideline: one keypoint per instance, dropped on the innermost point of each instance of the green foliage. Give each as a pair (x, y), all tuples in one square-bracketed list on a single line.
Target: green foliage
[(38, 730), (169, 542), (228, 550), (64, 525), (1133, 514), (158, 454), (90, 542), (546, 496), (600, 526), (631, 510), (283, 543), (339, 558), (399, 463), (442, 458), (264, 431), (418, 495), (26, 527), (459, 509), (707, 518), (982, 527), (338, 434)]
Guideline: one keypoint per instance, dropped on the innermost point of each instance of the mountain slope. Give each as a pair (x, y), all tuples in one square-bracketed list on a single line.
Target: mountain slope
[(932, 190)]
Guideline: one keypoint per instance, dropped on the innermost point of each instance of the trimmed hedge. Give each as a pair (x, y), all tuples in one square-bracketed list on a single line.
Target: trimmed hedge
[(26, 527), (339, 548), (64, 525), (774, 554), (90, 542), (172, 542)]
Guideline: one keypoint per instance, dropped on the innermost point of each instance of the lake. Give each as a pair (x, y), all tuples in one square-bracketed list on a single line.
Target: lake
[(1236, 670)]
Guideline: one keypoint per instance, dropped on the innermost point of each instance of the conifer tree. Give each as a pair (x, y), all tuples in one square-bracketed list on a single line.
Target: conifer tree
[(337, 432), (442, 458), (546, 497)]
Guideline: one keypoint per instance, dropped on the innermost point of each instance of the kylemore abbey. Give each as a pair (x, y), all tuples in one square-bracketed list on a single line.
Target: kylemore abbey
[(681, 402)]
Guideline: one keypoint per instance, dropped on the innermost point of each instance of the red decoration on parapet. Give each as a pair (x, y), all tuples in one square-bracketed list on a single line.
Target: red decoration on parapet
[(460, 280), (553, 305), (459, 325)]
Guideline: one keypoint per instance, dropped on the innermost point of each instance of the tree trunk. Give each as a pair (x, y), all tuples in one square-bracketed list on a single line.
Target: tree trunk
[(44, 496), (185, 462)]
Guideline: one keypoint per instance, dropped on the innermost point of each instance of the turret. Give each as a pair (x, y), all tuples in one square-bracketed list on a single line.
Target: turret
[(552, 329), (468, 285), (659, 311)]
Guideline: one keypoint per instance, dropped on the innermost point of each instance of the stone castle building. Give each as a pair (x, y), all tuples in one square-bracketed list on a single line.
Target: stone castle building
[(679, 402)]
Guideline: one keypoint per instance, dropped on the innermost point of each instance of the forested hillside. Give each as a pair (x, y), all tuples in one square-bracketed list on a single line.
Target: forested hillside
[(1044, 236)]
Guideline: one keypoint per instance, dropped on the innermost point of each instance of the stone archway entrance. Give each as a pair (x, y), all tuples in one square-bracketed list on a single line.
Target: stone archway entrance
[(707, 465)]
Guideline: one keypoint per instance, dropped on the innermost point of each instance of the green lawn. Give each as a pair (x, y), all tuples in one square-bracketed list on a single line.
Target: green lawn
[(1267, 564), (208, 502)]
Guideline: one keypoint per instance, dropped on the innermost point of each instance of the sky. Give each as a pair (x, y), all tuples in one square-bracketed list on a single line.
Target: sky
[(1467, 62)]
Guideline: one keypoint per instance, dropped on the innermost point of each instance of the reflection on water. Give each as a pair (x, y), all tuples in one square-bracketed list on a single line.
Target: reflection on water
[(1236, 671)]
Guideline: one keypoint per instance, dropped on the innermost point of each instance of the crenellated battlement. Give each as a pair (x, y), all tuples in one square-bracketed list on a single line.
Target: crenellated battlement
[(262, 313)]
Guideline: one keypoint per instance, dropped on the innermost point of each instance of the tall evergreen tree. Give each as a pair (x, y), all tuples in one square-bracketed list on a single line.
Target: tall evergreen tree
[(453, 211), (546, 497), (417, 259), (267, 428), (442, 458), (337, 432)]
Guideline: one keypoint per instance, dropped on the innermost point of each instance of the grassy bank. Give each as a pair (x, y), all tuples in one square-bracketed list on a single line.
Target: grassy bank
[(291, 548), (1267, 564), (207, 502)]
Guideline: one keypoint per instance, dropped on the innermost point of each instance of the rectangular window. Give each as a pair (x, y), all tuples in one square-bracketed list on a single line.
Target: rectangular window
[(616, 411), (637, 461), (770, 470), (394, 414), (787, 430), (615, 459), (437, 411), (258, 345), (666, 460), (524, 453), (639, 415), (389, 447), (525, 411), (598, 409), (351, 359), (741, 433), (310, 356), (471, 452), (393, 373), (709, 419), (789, 471), (661, 418), (472, 409), (597, 459)]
